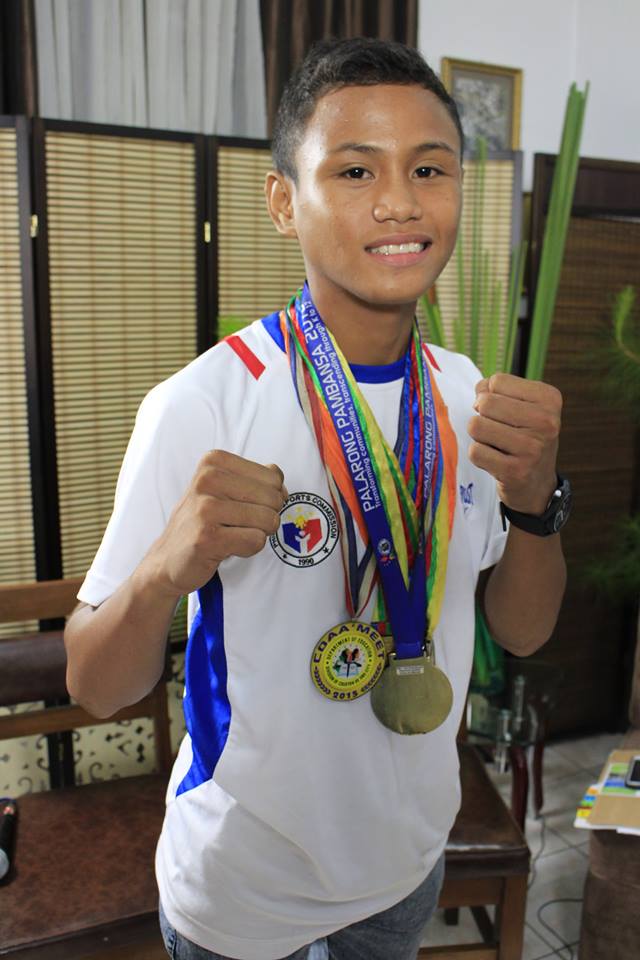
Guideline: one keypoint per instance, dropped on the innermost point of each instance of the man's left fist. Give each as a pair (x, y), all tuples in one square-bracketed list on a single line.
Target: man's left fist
[(515, 439)]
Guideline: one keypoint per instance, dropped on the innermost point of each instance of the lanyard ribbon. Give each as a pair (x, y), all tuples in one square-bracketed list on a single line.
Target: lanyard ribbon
[(401, 500)]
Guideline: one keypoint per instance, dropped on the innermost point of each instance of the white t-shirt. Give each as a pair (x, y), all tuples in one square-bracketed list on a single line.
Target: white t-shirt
[(290, 816)]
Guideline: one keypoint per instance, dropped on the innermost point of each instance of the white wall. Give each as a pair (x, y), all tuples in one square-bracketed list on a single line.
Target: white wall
[(608, 54), (554, 42)]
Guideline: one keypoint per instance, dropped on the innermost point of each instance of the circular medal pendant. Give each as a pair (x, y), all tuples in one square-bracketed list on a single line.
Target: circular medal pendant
[(348, 661), (413, 695)]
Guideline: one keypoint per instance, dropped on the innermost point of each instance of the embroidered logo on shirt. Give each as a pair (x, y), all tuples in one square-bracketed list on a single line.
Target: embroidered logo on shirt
[(466, 497), (308, 531)]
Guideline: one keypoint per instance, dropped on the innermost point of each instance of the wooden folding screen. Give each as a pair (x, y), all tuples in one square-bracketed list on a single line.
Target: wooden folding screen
[(257, 269), (598, 452), (141, 240), (121, 234), (115, 229), (120, 230), (17, 539), (500, 231), (23, 764)]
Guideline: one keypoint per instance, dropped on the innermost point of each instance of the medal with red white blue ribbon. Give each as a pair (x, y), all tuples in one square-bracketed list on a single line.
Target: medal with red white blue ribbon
[(402, 502)]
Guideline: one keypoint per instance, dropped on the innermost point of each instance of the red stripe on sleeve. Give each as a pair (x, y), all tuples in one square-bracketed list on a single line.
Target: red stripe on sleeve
[(255, 366)]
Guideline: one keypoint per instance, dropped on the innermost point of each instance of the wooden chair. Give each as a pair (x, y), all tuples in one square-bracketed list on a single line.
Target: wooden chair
[(82, 883), (486, 864)]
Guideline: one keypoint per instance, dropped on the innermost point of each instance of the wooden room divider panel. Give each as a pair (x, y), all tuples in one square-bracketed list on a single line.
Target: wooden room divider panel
[(121, 223), (598, 450), (257, 269), (17, 539), (140, 241), (121, 306), (500, 233), (24, 763)]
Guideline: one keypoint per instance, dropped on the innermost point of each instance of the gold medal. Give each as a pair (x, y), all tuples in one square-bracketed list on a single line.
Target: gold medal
[(412, 696), (348, 661)]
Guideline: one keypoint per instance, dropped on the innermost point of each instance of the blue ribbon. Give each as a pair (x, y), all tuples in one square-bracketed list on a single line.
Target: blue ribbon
[(406, 608)]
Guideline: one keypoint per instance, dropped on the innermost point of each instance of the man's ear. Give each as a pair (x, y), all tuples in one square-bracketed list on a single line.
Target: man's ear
[(278, 191)]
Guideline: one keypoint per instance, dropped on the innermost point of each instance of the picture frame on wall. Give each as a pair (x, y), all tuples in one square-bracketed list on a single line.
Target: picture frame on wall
[(488, 98)]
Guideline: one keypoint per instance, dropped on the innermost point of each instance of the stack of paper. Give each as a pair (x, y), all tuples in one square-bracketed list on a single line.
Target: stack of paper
[(608, 804)]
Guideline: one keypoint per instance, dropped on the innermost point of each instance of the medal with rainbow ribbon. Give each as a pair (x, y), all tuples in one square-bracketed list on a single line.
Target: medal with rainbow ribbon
[(402, 502)]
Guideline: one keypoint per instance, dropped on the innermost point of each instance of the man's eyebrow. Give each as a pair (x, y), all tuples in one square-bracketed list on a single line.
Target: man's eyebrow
[(430, 145), (368, 148)]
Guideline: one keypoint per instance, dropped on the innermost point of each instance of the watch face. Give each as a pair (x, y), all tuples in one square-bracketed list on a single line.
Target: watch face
[(562, 513), (558, 520), (551, 521)]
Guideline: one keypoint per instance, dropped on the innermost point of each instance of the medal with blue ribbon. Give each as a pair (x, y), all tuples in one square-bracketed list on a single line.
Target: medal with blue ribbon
[(402, 501)]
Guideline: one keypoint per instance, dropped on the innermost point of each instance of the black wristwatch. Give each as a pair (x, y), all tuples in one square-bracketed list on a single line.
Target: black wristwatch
[(551, 521)]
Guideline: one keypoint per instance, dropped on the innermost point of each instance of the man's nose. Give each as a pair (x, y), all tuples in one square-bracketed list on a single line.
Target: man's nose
[(397, 200)]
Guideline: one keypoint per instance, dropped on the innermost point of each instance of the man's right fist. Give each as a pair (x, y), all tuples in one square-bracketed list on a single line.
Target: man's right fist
[(231, 507)]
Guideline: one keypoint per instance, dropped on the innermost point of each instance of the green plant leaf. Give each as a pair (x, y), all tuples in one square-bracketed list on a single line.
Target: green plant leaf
[(555, 233), (228, 325), (434, 321)]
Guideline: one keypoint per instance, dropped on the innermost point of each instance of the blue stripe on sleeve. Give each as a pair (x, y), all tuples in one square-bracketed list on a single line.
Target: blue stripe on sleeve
[(207, 710), (272, 325)]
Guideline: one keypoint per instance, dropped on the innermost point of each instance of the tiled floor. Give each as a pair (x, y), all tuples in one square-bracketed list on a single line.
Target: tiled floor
[(558, 850)]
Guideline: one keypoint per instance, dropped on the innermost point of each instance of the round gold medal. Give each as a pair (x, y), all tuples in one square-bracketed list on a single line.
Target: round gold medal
[(348, 661), (413, 696)]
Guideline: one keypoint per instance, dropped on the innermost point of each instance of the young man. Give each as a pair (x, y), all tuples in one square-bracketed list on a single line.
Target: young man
[(303, 485)]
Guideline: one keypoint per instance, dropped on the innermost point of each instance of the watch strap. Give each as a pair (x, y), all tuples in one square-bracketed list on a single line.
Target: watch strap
[(551, 521)]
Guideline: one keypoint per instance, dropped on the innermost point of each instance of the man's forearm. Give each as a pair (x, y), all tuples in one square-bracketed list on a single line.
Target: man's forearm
[(524, 592), (115, 652)]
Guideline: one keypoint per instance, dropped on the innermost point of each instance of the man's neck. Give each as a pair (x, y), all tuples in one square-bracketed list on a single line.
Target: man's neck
[(367, 335)]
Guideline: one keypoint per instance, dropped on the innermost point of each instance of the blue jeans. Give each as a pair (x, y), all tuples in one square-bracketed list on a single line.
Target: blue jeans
[(393, 934)]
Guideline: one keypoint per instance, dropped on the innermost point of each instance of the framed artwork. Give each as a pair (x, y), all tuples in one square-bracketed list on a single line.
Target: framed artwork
[(488, 99)]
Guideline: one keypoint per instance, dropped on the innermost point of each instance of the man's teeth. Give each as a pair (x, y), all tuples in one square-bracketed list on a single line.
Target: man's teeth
[(389, 248)]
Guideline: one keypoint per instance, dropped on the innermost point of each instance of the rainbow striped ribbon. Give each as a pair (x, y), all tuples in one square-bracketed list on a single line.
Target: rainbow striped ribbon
[(415, 483)]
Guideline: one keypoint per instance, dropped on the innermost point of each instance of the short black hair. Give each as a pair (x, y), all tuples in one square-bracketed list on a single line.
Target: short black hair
[(332, 64)]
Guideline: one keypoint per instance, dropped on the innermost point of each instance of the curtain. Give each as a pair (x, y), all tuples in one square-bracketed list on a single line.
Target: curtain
[(193, 65), (18, 85), (290, 27)]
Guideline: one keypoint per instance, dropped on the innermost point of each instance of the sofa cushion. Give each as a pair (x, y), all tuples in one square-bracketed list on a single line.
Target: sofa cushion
[(609, 928), (631, 740), (616, 856), (33, 667)]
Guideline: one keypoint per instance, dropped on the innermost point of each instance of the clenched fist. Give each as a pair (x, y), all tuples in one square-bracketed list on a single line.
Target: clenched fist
[(231, 507), (515, 439)]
